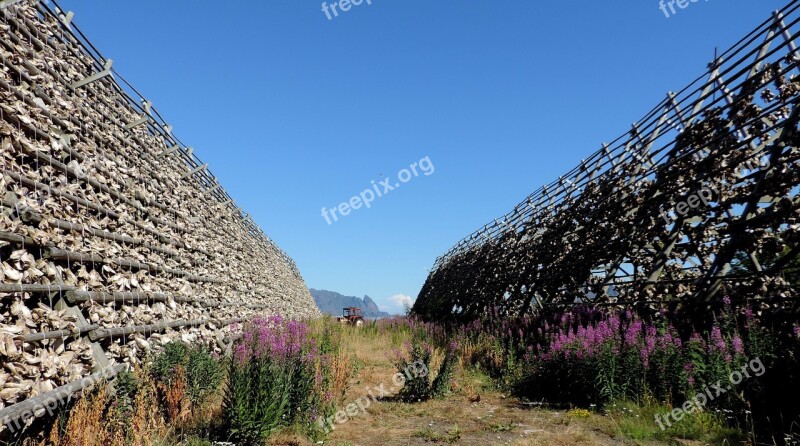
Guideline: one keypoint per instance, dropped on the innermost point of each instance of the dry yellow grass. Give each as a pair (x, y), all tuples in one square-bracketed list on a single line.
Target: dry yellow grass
[(85, 426), (289, 439), (175, 399), (341, 368), (93, 422), (146, 421)]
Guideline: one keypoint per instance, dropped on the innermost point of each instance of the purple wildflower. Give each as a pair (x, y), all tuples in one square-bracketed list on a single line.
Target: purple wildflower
[(717, 341), (738, 346)]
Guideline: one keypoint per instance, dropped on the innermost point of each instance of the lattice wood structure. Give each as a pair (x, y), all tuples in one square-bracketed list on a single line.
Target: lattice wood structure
[(698, 198), (114, 237)]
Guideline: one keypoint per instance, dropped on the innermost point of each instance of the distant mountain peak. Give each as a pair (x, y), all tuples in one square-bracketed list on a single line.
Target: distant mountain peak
[(331, 302)]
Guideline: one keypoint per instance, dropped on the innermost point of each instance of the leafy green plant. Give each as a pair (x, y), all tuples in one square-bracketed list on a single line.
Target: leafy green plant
[(125, 386), (204, 373), (257, 400), (417, 386), (416, 365), (163, 365), (441, 384), (276, 379)]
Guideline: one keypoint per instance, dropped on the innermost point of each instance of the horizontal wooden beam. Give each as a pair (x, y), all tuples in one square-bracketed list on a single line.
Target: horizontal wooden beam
[(34, 288), (74, 297), (35, 337), (103, 333)]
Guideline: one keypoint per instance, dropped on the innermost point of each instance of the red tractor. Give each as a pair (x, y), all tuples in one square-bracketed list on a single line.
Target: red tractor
[(352, 316)]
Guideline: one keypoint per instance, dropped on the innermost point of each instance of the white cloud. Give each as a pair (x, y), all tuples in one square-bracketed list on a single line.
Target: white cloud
[(397, 304)]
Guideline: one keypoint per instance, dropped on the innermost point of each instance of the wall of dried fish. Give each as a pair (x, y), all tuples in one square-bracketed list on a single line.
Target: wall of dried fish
[(114, 238), (700, 197)]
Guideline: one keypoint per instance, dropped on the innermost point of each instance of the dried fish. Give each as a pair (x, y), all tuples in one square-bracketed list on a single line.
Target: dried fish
[(93, 189)]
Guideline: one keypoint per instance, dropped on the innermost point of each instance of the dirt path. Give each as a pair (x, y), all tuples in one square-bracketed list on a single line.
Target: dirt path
[(492, 421), (475, 414)]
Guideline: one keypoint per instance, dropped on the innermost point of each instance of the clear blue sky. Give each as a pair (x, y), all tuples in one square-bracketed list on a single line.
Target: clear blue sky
[(294, 112)]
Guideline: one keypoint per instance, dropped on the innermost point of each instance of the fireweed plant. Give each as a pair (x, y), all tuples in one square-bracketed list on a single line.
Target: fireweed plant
[(418, 355), (279, 376), (591, 357)]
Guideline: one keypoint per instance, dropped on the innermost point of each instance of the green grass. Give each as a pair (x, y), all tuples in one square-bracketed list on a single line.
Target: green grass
[(427, 434), (637, 422), (501, 427)]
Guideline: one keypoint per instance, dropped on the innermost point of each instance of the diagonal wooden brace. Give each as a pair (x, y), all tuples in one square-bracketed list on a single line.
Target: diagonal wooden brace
[(195, 170), (170, 150), (88, 80)]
